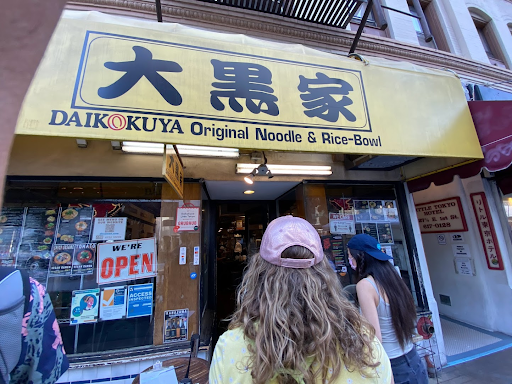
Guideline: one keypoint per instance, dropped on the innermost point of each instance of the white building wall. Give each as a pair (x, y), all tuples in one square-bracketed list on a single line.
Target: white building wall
[(457, 25), (465, 31), (449, 31), (425, 278), (483, 300), (400, 26), (498, 11)]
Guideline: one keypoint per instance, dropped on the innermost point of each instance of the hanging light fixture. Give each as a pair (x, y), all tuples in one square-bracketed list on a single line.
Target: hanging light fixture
[(249, 178), (260, 170)]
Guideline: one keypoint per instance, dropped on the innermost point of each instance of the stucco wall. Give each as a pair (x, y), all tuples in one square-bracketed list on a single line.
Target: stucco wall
[(483, 300)]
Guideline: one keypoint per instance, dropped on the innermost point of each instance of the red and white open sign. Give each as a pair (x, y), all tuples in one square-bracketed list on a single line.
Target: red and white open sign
[(126, 260)]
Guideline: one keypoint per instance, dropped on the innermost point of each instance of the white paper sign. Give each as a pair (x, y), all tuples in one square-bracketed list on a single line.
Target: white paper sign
[(161, 376), (342, 223), (183, 255), (461, 250), (109, 228), (441, 239), (113, 303), (126, 260), (457, 238), (196, 255), (463, 266), (388, 250), (187, 218)]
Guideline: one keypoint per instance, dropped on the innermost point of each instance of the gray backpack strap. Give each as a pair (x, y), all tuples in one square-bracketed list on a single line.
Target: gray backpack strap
[(11, 315)]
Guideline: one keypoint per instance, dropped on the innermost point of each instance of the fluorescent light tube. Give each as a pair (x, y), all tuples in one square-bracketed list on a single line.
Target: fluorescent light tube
[(185, 150), (285, 169)]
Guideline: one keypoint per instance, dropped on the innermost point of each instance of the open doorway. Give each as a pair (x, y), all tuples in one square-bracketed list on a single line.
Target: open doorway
[(239, 228), (236, 229)]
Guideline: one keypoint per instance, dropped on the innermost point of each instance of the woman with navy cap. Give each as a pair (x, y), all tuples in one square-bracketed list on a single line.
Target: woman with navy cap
[(388, 305), (293, 325)]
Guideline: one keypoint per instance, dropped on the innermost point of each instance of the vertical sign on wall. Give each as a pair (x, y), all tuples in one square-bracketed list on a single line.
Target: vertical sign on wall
[(173, 170), (486, 229)]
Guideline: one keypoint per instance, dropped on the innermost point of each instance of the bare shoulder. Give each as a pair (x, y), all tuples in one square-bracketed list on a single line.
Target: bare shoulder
[(364, 286), (365, 290)]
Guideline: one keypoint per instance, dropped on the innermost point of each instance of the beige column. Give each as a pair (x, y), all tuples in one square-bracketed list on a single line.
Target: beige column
[(25, 29)]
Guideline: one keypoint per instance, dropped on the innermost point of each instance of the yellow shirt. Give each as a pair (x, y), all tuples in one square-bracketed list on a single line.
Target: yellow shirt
[(231, 356)]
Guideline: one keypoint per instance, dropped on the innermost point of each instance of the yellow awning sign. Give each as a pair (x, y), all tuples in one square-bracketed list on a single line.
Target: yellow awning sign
[(106, 77)]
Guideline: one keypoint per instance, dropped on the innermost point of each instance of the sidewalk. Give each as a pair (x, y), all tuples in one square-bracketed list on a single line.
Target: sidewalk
[(492, 369)]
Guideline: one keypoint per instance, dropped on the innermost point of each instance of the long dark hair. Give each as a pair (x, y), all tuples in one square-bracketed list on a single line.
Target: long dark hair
[(401, 303), (294, 315)]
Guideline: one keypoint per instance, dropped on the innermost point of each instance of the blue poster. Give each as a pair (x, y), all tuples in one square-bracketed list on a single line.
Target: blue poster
[(140, 300)]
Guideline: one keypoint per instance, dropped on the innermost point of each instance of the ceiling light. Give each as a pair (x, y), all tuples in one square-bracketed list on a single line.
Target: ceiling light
[(249, 178), (193, 150), (145, 148), (282, 169), (183, 150), (260, 170), (249, 192)]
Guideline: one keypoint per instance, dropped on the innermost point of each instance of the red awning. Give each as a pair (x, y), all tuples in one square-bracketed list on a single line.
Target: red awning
[(493, 123)]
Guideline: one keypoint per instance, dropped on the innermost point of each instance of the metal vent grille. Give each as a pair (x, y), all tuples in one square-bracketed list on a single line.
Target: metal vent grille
[(334, 13), (446, 300)]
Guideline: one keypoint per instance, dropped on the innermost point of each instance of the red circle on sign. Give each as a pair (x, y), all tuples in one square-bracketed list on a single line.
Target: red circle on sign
[(116, 122), (176, 229)]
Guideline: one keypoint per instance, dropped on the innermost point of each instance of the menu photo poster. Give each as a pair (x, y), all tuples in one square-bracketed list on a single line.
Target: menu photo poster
[(391, 211), (84, 306), (75, 224), (376, 210), (370, 229), (175, 325), (83, 259), (37, 238), (39, 229), (72, 259), (11, 222), (385, 233), (362, 210), (62, 260), (113, 303)]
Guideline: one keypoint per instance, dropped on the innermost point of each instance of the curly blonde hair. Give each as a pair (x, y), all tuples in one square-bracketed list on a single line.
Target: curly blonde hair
[(295, 316)]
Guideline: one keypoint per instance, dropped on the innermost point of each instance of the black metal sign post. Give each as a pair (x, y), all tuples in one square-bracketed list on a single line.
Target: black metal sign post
[(361, 26)]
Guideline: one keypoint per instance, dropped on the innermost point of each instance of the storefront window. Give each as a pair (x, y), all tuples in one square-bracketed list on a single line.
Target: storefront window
[(54, 230), (507, 205), (339, 212)]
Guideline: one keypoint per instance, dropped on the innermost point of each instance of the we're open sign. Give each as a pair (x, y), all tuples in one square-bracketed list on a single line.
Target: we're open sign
[(126, 260)]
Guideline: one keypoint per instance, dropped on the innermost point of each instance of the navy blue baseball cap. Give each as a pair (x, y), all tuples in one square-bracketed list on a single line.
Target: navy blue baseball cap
[(369, 245)]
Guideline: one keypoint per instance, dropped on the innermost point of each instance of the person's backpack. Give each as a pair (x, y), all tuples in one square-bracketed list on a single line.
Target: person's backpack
[(14, 302)]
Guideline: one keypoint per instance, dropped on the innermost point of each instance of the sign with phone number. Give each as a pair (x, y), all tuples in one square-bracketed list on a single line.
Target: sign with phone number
[(441, 216)]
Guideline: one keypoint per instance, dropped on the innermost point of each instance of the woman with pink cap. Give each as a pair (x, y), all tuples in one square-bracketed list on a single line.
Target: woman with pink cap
[(293, 323)]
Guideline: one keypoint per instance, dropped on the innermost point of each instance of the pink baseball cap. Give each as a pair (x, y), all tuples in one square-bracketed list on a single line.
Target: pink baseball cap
[(285, 232)]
